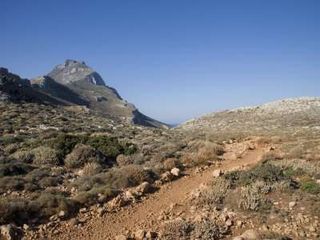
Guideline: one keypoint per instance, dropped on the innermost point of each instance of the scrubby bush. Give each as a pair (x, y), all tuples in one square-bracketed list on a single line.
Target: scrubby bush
[(21, 211), (11, 148), (18, 211), (136, 174), (93, 195), (208, 230), (271, 156), (296, 152), (91, 169), (264, 172), (11, 183), (310, 186), (64, 143), (252, 198), (14, 168), (41, 178), (51, 204), (177, 229), (123, 160), (170, 163), (110, 146), (215, 193), (115, 178), (202, 153), (83, 154), (10, 139), (45, 156), (25, 156)]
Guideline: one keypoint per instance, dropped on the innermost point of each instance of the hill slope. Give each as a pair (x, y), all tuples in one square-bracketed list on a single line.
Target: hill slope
[(274, 116), (101, 98)]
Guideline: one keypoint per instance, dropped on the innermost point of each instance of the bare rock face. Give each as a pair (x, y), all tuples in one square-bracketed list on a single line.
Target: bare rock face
[(72, 71)]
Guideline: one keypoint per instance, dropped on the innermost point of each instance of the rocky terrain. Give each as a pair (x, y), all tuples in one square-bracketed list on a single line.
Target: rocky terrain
[(73, 165), (288, 114)]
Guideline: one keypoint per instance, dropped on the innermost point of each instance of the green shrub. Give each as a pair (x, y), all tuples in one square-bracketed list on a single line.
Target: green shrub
[(310, 186), (64, 143), (110, 146), (45, 156), (291, 172), (10, 139), (264, 172)]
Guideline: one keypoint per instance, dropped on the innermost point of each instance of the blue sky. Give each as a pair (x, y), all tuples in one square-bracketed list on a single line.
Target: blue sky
[(174, 59)]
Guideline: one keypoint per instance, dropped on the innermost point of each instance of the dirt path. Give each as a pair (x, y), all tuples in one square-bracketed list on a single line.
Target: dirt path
[(145, 214)]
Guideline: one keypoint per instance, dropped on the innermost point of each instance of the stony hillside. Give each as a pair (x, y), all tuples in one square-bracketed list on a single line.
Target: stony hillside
[(15, 89), (282, 115), (101, 98), (48, 86), (66, 173)]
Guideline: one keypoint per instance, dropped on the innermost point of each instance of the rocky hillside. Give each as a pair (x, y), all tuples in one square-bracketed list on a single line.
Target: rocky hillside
[(101, 98), (15, 89), (73, 83), (287, 114)]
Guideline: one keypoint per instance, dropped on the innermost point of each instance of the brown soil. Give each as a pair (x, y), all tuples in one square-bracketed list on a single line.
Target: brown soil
[(144, 215)]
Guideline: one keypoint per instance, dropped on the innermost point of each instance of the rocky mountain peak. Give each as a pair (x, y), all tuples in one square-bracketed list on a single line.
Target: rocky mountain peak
[(72, 71)]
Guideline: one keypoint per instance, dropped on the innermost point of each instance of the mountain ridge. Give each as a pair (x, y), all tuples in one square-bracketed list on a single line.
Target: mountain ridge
[(74, 83)]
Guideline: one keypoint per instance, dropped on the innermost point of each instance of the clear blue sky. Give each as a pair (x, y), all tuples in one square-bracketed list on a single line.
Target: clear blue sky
[(174, 59)]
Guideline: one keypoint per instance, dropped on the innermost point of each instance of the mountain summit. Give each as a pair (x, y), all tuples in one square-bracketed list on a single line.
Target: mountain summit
[(71, 71)]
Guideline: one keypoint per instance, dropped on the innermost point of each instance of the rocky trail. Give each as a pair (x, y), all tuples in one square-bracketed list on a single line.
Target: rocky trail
[(145, 214)]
